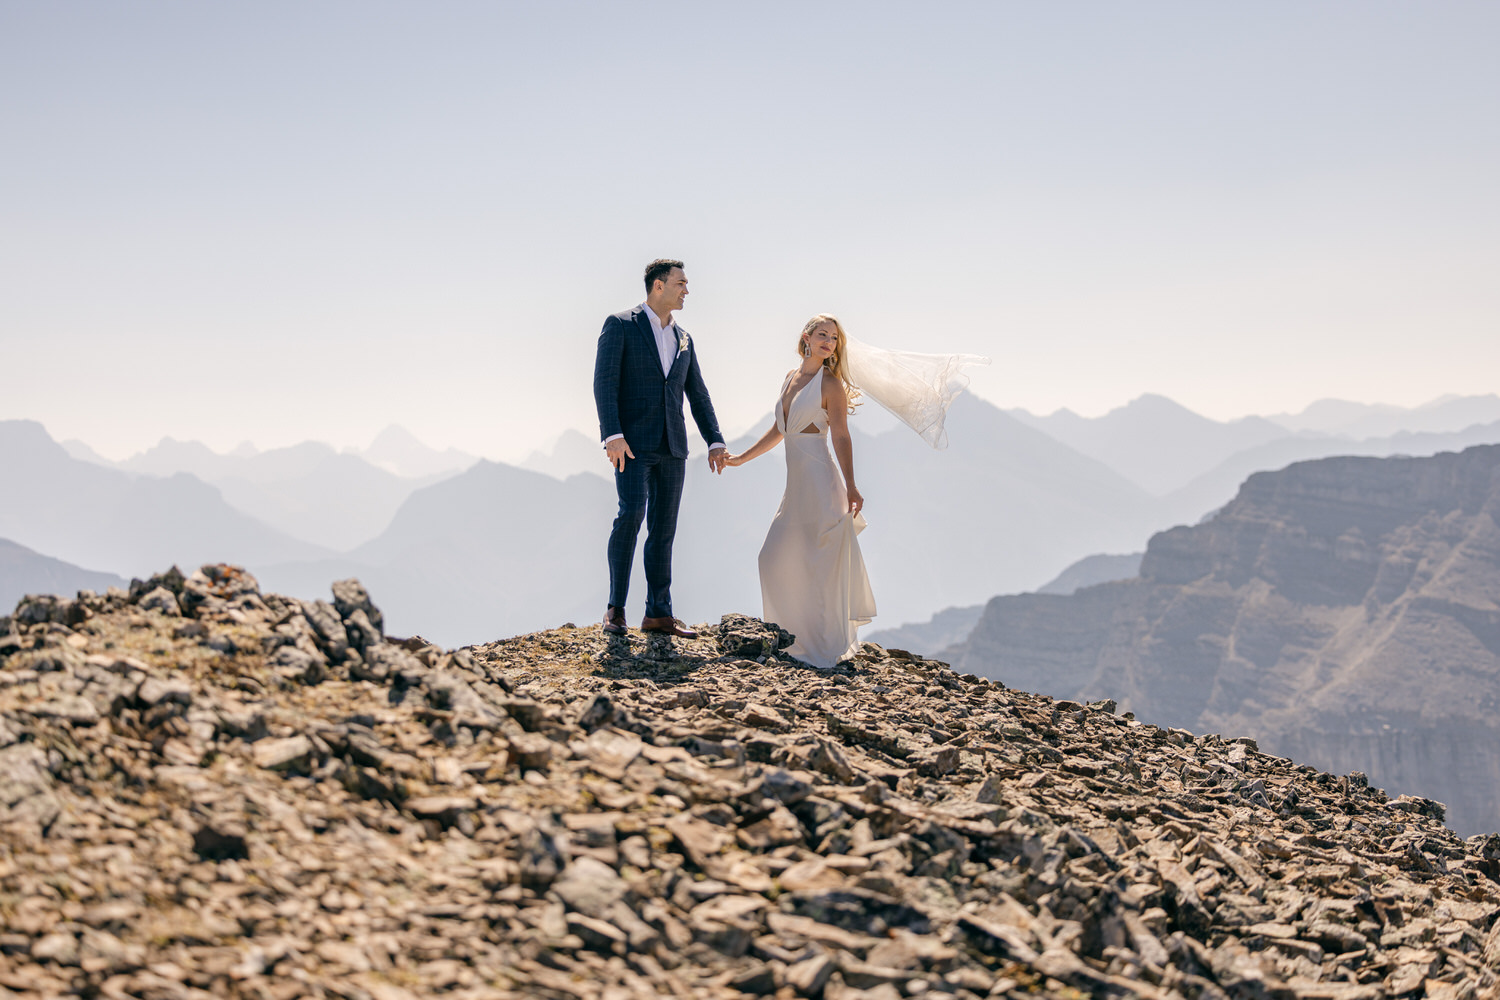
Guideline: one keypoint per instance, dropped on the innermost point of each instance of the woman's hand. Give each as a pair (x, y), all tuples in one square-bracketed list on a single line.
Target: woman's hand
[(856, 501), (770, 439)]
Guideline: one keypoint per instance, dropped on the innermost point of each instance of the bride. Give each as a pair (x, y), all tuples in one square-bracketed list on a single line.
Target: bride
[(812, 575)]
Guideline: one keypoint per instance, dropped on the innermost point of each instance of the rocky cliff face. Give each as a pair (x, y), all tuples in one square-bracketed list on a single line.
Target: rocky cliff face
[(1344, 611), (210, 791)]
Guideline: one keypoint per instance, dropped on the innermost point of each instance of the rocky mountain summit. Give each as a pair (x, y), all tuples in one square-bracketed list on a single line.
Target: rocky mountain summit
[(210, 791), (1344, 612)]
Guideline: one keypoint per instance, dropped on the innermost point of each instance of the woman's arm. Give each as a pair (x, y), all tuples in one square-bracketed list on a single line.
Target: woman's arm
[(768, 440), (836, 402)]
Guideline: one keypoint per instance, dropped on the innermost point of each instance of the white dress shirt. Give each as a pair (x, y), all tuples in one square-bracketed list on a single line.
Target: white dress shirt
[(667, 339)]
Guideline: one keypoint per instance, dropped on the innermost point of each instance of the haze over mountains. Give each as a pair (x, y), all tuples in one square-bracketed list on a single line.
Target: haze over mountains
[(572, 453), (1169, 451), (952, 626), (309, 491), (110, 520), (23, 572), (997, 510), (1344, 612), (1013, 502), (1155, 443), (1364, 420)]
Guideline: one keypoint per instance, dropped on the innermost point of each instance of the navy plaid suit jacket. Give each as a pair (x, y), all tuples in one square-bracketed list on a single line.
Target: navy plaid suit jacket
[(634, 398)]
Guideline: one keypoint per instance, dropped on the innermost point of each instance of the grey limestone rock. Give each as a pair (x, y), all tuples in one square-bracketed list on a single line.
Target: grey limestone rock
[(350, 596), (325, 621), (290, 752), (362, 635), (568, 815), (590, 887), (298, 664), (382, 662), (161, 599), (27, 802), (171, 581), (156, 690), (216, 586), (750, 638), (38, 609)]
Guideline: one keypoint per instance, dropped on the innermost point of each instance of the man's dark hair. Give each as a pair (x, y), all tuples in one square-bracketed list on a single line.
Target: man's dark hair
[(658, 270)]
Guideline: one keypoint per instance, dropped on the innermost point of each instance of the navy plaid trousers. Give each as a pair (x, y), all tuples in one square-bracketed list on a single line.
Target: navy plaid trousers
[(650, 490)]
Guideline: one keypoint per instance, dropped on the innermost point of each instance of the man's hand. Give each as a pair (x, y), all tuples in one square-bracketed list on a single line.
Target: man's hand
[(618, 451), (716, 460)]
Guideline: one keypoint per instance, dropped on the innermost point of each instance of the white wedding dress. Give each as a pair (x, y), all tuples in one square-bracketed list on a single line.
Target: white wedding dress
[(812, 576)]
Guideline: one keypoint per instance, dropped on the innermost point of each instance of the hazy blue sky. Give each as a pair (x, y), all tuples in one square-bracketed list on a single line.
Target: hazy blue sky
[(280, 221)]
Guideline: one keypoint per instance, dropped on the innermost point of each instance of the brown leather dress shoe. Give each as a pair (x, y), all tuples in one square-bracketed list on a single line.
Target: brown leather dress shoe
[(668, 626), (614, 620)]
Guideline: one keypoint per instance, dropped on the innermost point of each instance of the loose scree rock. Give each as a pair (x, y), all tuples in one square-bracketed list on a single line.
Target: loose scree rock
[(209, 791)]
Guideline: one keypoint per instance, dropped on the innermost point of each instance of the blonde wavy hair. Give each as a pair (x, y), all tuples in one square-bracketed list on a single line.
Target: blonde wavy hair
[(836, 364)]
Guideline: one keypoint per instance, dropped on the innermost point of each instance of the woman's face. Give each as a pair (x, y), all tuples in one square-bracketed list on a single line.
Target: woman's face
[(823, 341)]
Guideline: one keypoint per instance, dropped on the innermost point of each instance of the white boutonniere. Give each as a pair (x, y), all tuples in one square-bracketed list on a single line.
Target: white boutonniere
[(682, 342)]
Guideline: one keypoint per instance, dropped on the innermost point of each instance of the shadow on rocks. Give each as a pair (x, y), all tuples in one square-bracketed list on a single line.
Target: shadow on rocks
[(664, 658)]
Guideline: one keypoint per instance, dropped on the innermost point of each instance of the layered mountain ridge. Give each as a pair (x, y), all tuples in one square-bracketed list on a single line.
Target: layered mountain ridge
[(1344, 611), (1006, 508), (113, 521), (23, 572)]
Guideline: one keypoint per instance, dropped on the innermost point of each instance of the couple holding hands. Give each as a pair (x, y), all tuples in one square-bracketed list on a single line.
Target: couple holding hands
[(812, 576)]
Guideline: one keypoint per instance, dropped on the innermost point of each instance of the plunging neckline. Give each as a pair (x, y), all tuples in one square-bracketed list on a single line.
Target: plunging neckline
[(786, 404)]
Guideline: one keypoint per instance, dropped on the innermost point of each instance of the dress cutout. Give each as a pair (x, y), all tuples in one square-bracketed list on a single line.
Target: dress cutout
[(812, 576)]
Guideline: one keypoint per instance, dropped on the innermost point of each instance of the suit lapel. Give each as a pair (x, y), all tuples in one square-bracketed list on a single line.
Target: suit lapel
[(644, 325), (680, 359)]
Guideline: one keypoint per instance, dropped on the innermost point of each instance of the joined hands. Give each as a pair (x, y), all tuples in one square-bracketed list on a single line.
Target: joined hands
[(618, 451)]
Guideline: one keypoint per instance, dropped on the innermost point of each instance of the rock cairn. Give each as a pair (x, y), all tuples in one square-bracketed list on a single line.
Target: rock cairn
[(209, 791)]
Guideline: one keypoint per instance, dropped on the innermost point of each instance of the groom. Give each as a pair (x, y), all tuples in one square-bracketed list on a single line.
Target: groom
[(645, 365)]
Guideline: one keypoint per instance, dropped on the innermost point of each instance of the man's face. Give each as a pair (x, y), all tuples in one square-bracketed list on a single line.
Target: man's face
[(673, 289)]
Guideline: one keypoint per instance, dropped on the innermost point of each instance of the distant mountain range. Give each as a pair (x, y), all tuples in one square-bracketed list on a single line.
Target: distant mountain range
[(1155, 443), (572, 453), (397, 451), (1005, 509), (952, 626), (90, 515), (23, 572), (1216, 487), (491, 552), (1366, 420), (1344, 611), (1170, 451), (311, 492), (1093, 570), (498, 550)]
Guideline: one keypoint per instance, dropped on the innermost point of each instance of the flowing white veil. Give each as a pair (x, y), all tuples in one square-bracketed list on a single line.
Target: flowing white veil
[(916, 388)]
